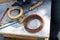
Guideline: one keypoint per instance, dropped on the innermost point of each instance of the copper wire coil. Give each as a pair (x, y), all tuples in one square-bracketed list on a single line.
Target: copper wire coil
[(32, 17), (17, 16)]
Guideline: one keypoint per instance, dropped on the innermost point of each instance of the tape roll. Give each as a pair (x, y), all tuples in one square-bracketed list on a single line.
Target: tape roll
[(17, 16), (32, 17)]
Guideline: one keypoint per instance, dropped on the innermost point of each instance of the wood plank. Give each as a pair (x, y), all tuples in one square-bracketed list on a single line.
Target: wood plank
[(6, 38), (15, 37), (46, 38), (4, 1), (20, 37)]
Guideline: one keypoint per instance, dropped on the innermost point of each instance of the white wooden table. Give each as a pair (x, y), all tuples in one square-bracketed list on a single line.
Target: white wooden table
[(18, 29)]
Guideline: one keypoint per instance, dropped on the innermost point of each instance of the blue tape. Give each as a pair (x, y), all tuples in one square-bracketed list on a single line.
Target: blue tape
[(23, 3)]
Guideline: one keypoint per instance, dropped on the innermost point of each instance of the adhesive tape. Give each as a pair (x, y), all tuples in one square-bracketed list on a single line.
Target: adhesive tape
[(17, 16), (32, 17)]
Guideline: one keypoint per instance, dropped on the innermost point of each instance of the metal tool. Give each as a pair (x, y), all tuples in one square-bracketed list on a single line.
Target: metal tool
[(36, 5), (9, 24)]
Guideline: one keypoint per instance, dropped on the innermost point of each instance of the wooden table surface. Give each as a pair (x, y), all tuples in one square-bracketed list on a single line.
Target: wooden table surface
[(46, 6)]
